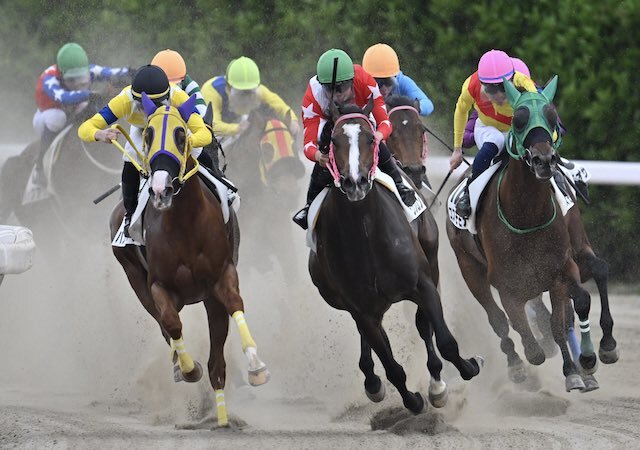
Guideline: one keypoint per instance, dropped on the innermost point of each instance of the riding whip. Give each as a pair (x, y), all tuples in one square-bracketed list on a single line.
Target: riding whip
[(440, 188), (106, 194), (444, 143)]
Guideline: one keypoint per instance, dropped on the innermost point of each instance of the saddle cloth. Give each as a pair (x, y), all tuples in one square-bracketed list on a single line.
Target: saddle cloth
[(478, 186), (136, 229), (411, 212)]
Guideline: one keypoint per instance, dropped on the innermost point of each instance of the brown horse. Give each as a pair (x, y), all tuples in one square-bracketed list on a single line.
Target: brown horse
[(369, 256), (188, 253), (524, 247)]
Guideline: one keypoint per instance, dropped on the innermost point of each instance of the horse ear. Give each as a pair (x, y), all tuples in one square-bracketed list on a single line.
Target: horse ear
[(187, 108), (512, 93), (368, 107), (549, 90), (208, 115), (148, 105)]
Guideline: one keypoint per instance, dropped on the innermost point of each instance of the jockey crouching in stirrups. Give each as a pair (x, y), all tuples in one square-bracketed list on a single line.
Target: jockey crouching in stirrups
[(352, 85)]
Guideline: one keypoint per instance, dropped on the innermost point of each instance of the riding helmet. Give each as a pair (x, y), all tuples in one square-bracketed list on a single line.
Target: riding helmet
[(493, 66), (72, 61), (172, 63), (381, 61), (151, 80), (344, 70)]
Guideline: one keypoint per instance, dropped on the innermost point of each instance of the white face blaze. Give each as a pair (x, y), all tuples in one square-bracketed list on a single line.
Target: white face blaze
[(159, 182), (352, 131)]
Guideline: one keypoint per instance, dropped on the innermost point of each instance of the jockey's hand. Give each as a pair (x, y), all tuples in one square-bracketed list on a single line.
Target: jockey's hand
[(378, 136), (294, 127), (242, 126), (321, 158), (108, 135), (456, 159)]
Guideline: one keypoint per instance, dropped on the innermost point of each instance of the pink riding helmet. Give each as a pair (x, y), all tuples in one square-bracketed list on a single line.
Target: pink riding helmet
[(494, 65), (520, 66)]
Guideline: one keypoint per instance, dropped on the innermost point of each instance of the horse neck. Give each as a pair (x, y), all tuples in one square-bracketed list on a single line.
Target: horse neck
[(357, 215), (189, 200), (522, 191)]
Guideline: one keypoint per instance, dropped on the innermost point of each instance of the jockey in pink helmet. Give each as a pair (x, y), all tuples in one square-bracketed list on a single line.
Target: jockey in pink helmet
[(520, 66), (484, 91)]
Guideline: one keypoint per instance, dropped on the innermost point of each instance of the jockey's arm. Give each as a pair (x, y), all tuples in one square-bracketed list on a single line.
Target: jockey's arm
[(200, 134), (275, 102), (54, 90), (461, 115), (383, 124), (219, 127), (118, 107), (409, 88), (102, 73)]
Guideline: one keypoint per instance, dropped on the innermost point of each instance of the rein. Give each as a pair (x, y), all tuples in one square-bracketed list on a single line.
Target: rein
[(513, 229), (333, 168), (425, 146)]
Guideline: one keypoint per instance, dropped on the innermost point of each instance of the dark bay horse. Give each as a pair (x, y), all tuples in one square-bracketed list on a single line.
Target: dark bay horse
[(525, 246), (189, 253), (369, 257)]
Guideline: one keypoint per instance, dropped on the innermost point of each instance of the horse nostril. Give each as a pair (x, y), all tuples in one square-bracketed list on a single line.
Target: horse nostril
[(168, 192), (535, 160), (348, 183), (363, 180)]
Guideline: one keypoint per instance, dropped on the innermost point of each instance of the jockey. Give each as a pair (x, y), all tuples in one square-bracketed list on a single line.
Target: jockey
[(352, 85), (484, 91), (381, 61), (128, 105), (60, 91), (237, 93), (173, 65)]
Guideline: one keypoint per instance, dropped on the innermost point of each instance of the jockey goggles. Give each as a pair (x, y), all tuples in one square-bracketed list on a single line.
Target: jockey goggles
[(491, 88), (339, 87), (388, 81)]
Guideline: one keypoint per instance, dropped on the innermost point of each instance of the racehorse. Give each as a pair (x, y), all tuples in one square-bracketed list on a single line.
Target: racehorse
[(188, 252), (524, 246), (77, 173), (369, 256), (264, 165), (408, 141)]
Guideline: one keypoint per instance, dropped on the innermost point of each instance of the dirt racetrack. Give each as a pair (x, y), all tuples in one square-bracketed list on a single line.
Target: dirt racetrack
[(84, 366)]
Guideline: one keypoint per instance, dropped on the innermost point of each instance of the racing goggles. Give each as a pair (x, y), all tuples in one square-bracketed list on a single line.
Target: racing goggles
[(492, 89), (342, 86)]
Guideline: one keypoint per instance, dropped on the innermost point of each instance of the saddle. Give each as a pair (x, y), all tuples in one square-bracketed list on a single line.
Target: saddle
[(411, 212), (221, 190)]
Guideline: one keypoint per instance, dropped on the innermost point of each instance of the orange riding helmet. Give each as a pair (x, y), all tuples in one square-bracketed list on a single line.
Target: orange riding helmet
[(381, 61), (172, 63)]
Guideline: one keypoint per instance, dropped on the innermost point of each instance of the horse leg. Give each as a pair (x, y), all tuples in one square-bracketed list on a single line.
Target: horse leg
[(438, 393), (515, 311), (190, 370), (371, 329), (559, 300), (598, 268), (227, 290), (373, 386), (428, 300), (475, 275), (218, 329), (582, 304), (539, 316)]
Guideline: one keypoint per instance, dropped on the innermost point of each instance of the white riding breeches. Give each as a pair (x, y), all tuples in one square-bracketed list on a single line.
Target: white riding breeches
[(52, 119), (486, 133)]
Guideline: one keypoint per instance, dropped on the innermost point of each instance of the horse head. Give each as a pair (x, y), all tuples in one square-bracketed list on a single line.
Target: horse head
[(279, 165), (408, 141), (353, 154), (534, 136), (167, 148)]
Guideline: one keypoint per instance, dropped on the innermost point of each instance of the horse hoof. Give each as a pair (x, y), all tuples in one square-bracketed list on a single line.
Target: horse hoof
[(589, 364), (259, 377), (517, 373), (438, 394), (377, 397), (194, 375), (609, 356), (418, 407), (536, 358), (574, 381), (590, 383)]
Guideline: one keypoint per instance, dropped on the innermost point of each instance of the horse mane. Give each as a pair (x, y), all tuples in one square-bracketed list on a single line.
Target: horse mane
[(349, 108), (398, 100)]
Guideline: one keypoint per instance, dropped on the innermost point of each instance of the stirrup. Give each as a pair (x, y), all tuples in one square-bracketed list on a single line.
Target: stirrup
[(300, 218), (463, 205), (407, 195)]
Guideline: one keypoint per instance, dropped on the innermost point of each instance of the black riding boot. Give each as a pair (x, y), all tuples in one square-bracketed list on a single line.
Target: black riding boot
[(463, 205), (40, 179), (388, 165), (320, 177), (130, 187)]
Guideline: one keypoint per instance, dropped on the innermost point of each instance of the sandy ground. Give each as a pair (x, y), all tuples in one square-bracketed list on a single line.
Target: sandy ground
[(84, 366)]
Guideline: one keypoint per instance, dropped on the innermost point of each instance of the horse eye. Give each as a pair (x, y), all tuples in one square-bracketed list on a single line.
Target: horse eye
[(520, 118), (551, 116), (179, 137)]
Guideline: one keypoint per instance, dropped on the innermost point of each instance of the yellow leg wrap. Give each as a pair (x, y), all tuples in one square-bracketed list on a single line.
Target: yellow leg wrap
[(184, 359), (221, 406), (245, 335)]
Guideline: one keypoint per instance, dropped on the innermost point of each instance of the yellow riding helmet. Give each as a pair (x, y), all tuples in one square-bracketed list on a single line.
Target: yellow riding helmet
[(243, 74), (381, 61), (172, 63)]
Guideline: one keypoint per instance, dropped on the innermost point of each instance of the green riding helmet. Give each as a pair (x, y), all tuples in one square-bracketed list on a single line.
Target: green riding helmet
[(72, 61), (243, 74), (344, 71)]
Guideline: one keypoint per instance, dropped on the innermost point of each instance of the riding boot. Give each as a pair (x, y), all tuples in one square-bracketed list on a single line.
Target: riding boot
[(481, 162), (205, 159), (40, 179), (130, 188), (390, 167), (320, 177)]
